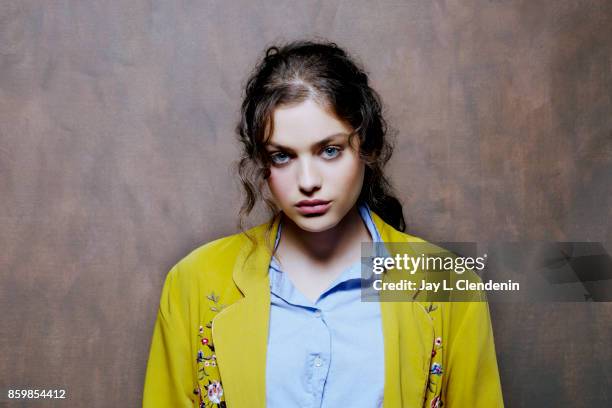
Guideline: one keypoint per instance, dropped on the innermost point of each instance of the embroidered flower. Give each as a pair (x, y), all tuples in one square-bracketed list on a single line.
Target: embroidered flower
[(215, 391), (436, 368), (436, 402), (437, 345), (209, 388)]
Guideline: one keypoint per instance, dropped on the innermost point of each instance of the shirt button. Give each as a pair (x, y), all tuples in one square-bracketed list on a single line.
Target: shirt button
[(318, 313), (318, 362)]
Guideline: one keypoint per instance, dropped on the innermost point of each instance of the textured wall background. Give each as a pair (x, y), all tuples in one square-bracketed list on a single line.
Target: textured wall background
[(116, 139)]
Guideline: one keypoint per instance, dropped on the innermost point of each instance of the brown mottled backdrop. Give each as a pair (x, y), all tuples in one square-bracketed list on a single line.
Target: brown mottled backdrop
[(116, 140)]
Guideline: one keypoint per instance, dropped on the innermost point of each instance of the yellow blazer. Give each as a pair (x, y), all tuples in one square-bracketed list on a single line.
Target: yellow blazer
[(210, 337)]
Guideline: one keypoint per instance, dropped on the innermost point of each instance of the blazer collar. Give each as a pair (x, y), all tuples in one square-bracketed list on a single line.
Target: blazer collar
[(251, 267), (240, 331)]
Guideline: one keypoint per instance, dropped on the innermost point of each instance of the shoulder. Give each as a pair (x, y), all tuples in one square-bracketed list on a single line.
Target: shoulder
[(214, 252), (427, 248), (214, 261), (388, 233), (443, 263)]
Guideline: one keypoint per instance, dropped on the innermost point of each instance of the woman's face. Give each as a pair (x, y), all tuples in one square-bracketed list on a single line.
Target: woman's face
[(315, 176)]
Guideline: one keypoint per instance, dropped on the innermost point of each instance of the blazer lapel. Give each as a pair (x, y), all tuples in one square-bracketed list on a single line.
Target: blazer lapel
[(240, 330), (408, 340)]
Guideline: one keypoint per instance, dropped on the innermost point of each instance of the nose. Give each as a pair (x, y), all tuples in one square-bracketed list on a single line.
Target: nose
[(309, 179)]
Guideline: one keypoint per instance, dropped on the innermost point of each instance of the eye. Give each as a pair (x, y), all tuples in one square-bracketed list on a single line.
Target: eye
[(279, 157), (330, 152)]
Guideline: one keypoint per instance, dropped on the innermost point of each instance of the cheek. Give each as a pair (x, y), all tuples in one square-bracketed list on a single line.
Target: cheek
[(348, 175), (279, 184)]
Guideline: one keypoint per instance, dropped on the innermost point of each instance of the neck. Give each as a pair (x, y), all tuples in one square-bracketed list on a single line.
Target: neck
[(325, 245)]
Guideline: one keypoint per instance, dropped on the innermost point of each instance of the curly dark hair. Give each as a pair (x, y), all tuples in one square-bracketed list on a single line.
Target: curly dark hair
[(292, 73)]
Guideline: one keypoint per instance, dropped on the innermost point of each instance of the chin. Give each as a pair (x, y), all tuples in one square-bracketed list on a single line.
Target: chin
[(316, 224)]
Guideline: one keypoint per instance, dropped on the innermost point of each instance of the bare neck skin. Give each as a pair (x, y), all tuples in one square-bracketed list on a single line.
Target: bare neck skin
[(313, 260)]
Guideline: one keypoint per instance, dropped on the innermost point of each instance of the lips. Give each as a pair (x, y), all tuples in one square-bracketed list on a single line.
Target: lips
[(313, 207)]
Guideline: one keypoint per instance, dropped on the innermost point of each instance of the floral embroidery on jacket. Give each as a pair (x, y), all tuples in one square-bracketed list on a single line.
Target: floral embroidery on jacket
[(436, 370), (215, 392), (209, 388)]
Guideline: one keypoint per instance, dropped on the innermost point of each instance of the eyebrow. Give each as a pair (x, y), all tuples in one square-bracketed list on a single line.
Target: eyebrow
[(320, 143)]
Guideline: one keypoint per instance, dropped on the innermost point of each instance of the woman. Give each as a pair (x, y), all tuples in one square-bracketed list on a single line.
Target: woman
[(273, 316)]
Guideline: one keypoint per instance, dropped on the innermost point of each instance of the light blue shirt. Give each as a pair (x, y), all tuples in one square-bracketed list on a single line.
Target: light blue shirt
[(329, 353)]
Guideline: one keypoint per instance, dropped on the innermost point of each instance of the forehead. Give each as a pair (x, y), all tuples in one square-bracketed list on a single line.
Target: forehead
[(304, 124)]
